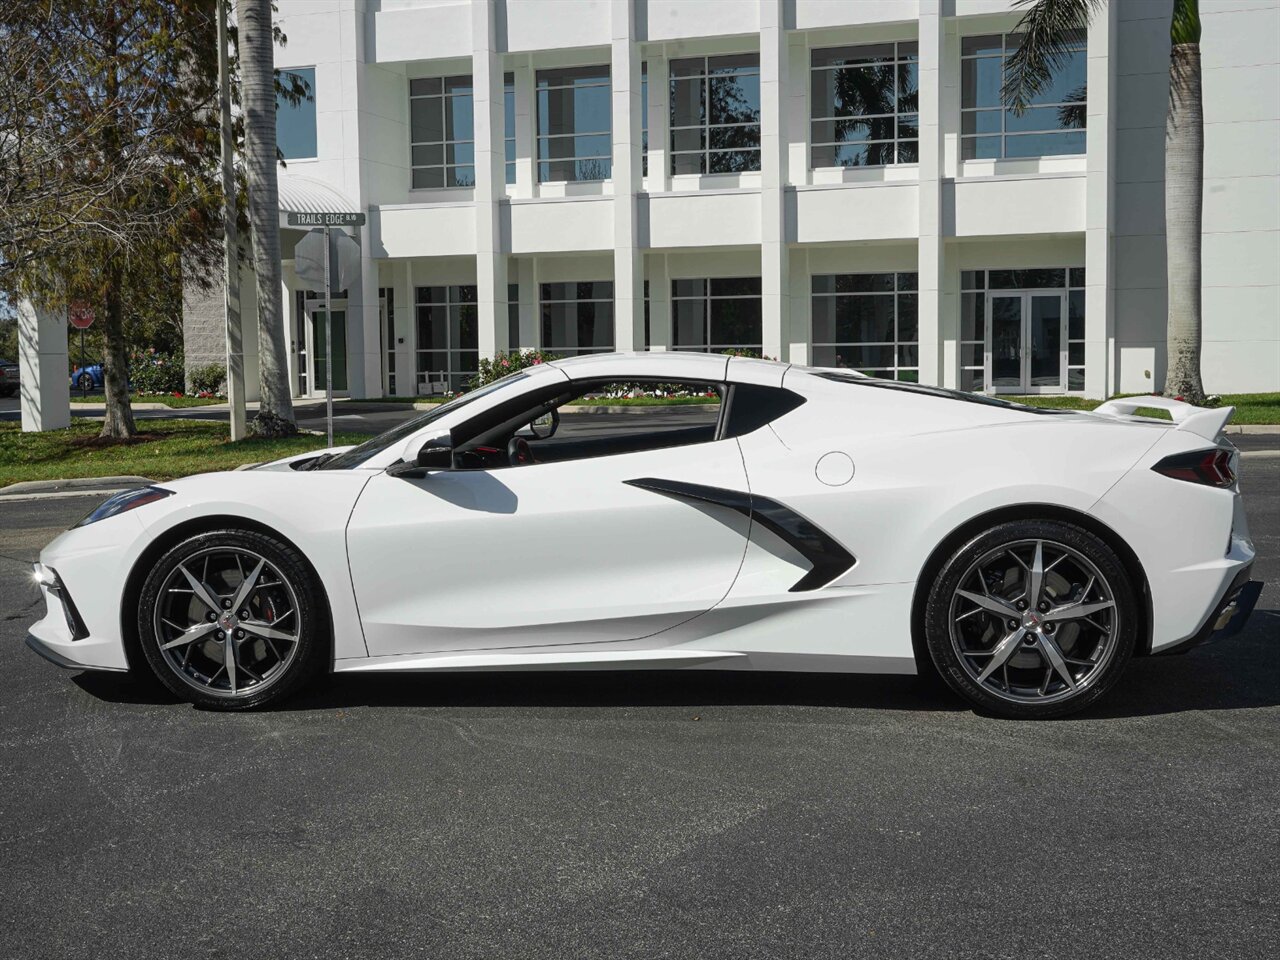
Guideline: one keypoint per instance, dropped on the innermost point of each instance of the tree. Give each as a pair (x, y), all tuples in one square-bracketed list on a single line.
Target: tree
[(258, 96), (106, 158), (1046, 27)]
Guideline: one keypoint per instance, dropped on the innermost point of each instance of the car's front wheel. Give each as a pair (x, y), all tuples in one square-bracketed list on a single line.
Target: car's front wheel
[(85, 382), (1032, 619), (232, 619)]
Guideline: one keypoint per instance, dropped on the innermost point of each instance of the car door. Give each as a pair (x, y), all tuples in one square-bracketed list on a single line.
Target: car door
[(546, 553)]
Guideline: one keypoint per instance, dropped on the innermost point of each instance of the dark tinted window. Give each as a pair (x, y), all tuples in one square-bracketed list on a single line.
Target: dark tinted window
[(751, 406)]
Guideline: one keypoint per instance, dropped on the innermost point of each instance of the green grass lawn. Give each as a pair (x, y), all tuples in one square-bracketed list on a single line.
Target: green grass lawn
[(1251, 408), (166, 399), (163, 449)]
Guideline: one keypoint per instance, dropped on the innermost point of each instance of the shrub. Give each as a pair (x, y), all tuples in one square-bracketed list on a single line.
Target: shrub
[(505, 363), (208, 379), (152, 372)]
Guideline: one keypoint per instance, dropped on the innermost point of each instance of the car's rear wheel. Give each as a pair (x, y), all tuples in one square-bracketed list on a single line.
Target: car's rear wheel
[(1032, 619), (85, 383), (232, 619)]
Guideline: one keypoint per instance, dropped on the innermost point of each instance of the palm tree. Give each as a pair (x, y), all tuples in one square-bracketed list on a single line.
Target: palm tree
[(258, 84), (1046, 27)]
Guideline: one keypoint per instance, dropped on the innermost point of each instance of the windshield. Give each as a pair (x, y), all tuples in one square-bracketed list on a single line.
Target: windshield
[(358, 455)]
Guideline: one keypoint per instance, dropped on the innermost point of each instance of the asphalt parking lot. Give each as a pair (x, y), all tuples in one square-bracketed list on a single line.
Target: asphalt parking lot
[(690, 815)]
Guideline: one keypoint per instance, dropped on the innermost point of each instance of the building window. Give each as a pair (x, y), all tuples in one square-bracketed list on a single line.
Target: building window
[(509, 123), (448, 348), (1053, 124), (440, 132), (296, 122), (577, 317), (513, 317), (867, 322), (574, 124), (976, 286), (644, 119), (864, 103), (715, 114), (716, 314)]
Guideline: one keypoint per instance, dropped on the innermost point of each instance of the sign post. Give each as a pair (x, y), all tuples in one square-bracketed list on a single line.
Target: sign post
[(326, 221), (81, 317)]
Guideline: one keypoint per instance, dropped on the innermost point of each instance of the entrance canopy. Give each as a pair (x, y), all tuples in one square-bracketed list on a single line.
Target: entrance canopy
[(299, 194)]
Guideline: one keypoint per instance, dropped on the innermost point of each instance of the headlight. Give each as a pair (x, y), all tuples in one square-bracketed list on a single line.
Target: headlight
[(124, 502)]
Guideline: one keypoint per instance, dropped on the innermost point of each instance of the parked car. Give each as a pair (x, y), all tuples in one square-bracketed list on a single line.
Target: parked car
[(10, 378), (815, 519), (87, 378)]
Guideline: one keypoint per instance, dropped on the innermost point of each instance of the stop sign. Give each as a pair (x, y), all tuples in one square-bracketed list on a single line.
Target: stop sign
[(80, 315)]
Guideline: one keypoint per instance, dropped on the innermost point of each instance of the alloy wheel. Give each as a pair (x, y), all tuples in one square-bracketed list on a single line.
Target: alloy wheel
[(227, 622), (1034, 621)]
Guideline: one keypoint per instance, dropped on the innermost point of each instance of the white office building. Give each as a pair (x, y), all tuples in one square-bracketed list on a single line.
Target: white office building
[(830, 182)]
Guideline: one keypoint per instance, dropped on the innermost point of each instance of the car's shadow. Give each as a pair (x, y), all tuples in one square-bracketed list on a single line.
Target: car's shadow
[(1241, 673)]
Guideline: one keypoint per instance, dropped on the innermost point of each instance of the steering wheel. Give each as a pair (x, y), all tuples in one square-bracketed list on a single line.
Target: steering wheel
[(519, 453)]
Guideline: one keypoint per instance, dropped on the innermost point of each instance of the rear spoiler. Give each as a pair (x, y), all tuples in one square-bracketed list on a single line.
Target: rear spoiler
[(1198, 420)]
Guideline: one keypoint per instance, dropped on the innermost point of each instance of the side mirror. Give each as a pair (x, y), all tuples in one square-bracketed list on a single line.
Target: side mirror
[(545, 426), (435, 454)]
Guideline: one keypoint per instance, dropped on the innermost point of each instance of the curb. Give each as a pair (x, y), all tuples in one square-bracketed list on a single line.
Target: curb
[(79, 487)]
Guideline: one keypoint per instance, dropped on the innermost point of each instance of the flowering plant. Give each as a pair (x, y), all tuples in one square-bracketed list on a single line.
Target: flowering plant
[(505, 363)]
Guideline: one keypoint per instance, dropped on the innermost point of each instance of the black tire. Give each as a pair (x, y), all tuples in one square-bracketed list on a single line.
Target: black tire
[(1103, 648), (287, 581), (85, 383)]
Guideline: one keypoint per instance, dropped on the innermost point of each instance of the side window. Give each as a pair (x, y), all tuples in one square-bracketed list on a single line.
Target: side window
[(612, 418), (593, 419), (751, 406)]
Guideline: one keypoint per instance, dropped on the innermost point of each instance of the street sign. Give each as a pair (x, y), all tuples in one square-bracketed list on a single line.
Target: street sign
[(344, 254), (320, 258), (80, 315), (326, 219)]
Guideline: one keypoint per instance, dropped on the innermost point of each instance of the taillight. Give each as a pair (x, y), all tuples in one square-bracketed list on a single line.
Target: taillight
[(1212, 467)]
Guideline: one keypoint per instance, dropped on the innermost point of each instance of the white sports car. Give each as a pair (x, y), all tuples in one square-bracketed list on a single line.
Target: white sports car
[(796, 519)]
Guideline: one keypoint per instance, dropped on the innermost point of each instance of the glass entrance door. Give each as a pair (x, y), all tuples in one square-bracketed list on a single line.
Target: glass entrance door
[(318, 330), (1027, 341)]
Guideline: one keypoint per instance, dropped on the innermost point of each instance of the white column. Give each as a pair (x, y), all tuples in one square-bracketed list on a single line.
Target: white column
[(659, 300), (42, 368), (1099, 308), (526, 173), (659, 125), (775, 280), (364, 342), (628, 258), (801, 308), (930, 247), (490, 160)]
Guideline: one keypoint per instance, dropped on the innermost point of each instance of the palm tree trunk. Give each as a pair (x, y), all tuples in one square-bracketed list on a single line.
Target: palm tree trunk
[(257, 65), (1183, 203), (118, 420)]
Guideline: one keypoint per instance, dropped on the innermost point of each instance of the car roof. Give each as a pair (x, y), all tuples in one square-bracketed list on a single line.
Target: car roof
[(676, 364)]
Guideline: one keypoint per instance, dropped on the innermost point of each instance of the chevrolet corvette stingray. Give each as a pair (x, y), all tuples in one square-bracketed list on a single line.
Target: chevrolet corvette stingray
[(795, 519)]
